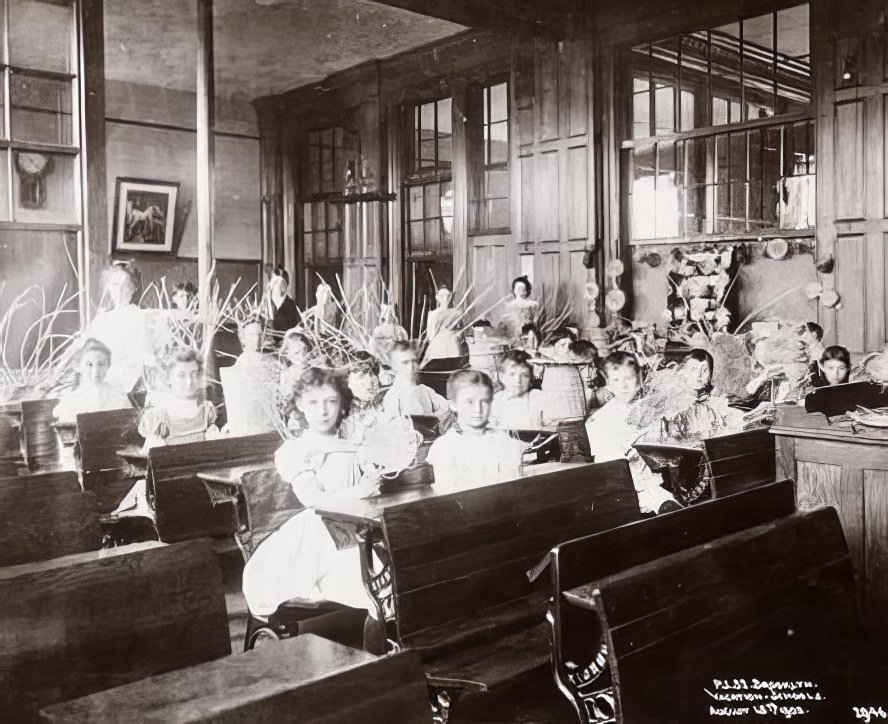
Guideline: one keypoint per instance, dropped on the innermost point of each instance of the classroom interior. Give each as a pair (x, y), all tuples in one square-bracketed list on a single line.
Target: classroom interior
[(662, 186)]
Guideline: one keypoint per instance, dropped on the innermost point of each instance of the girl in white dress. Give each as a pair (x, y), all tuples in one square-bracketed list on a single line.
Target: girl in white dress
[(92, 392), (304, 559)]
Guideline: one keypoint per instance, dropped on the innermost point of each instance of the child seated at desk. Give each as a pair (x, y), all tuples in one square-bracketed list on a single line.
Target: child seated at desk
[(302, 560), (91, 391), (516, 406), (180, 414), (470, 453), (833, 367), (611, 436), (407, 396)]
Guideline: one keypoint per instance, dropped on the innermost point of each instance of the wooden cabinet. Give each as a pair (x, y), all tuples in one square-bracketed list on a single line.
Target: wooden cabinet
[(847, 470)]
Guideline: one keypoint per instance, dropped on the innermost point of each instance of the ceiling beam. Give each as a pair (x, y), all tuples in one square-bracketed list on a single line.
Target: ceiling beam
[(483, 13)]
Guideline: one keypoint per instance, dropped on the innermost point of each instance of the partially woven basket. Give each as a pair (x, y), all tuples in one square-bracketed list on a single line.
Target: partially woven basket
[(564, 396)]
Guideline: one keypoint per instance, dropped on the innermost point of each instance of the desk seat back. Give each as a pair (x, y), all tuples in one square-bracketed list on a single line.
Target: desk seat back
[(776, 602), (79, 624), (576, 562), (741, 461), (38, 522), (455, 555), (182, 504), (99, 436), (270, 502), (304, 679)]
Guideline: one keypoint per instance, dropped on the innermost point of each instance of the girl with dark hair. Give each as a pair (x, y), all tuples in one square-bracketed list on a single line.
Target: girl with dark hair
[(301, 559), (833, 367), (698, 368), (520, 310)]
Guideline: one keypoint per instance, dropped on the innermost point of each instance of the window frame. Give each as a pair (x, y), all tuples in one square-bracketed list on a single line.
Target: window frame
[(478, 187), (723, 132)]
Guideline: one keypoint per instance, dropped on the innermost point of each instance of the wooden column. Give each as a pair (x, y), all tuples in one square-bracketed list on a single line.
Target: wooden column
[(205, 145), (92, 89), (460, 178)]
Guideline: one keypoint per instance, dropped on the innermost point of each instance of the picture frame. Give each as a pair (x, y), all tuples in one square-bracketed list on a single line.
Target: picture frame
[(144, 215)]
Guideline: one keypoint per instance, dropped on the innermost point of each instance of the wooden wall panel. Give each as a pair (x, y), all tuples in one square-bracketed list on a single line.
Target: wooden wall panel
[(874, 286), (577, 193), (490, 270), (528, 201), (547, 90), (875, 492), (829, 485), (850, 276), (849, 164), (578, 93), (548, 195)]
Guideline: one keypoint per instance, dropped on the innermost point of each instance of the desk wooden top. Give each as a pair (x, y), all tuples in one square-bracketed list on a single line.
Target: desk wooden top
[(232, 474), (368, 511), (133, 454), (204, 692)]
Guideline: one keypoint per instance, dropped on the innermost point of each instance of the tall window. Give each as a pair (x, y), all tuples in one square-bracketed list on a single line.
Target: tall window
[(721, 136), (329, 151), (489, 183), (433, 136), (39, 129)]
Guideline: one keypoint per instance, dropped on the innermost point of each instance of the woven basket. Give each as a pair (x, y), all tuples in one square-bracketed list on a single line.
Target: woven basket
[(563, 395), (249, 401), (484, 352)]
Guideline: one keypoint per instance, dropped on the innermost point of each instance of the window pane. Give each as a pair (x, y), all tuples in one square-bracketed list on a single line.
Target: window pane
[(499, 102), (4, 185), (756, 180), (498, 211), (43, 187), (40, 109), (415, 210), (641, 114), (306, 218), (644, 193), (667, 197), (447, 210), (738, 181), (694, 80), (725, 62), (499, 142), (40, 34), (793, 59), (664, 105), (771, 140), (320, 247), (432, 206), (433, 234), (427, 116), (333, 250), (497, 181), (416, 236), (758, 66), (445, 142)]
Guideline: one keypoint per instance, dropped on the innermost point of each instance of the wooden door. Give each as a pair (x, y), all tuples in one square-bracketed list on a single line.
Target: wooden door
[(555, 210)]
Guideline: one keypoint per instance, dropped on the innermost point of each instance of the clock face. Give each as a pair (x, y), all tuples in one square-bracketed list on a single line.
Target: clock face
[(32, 164)]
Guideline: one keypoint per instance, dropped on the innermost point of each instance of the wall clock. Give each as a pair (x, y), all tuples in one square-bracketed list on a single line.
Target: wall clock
[(32, 168)]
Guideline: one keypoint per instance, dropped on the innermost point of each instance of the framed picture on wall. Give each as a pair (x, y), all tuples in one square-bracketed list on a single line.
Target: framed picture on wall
[(144, 215)]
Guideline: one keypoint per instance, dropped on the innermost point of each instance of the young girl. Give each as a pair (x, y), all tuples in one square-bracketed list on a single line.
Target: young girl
[(832, 368), (301, 560), (516, 406), (407, 396), (470, 453), (182, 413), (91, 392), (366, 408), (611, 436)]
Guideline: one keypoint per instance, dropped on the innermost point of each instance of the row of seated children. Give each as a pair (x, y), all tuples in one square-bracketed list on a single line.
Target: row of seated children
[(305, 559)]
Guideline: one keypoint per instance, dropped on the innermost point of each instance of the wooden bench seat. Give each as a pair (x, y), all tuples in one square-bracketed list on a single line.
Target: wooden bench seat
[(775, 602), (740, 461), (305, 679), (53, 483), (458, 561), (579, 655), (99, 436), (182, 504), (46, 516), (79, 624)]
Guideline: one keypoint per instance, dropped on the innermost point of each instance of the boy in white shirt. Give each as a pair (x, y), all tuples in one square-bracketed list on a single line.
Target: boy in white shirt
[(470, 453), (407, 396)]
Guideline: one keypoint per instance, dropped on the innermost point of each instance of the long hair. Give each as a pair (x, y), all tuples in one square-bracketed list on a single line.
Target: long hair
[(313, 378)]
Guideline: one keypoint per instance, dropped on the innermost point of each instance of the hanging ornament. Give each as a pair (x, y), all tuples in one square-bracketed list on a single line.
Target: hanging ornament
[(615, 300), (813, 290), (615, 268), (830, 298)]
